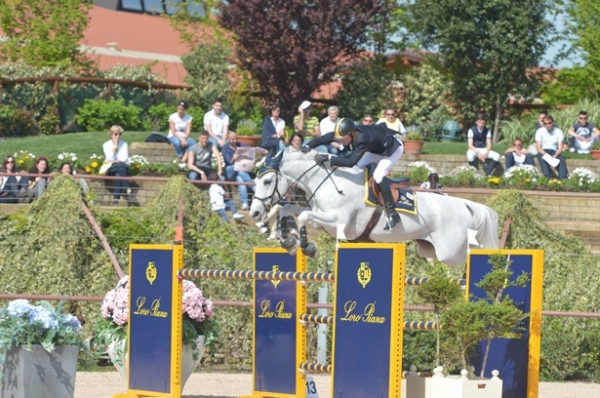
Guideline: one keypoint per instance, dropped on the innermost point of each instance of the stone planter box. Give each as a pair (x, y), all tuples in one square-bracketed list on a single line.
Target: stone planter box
[(39, 373), (439, 386)]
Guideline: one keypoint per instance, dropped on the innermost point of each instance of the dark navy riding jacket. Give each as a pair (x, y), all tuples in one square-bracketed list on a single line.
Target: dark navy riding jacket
[(377, 139)]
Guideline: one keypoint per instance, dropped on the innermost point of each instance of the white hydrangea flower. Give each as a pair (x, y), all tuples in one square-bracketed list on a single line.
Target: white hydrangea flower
[(466, 168), (526, 169), (421, 163), (586, 176)]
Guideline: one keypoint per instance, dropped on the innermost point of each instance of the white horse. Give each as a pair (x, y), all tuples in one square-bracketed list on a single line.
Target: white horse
[(336, 200)]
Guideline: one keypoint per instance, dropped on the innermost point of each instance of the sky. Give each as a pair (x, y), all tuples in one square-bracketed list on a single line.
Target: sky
[(555, 47)]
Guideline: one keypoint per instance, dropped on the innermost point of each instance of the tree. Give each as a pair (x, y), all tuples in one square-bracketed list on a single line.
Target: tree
[(292, 47), (585, 24), (44, 32), (488, 47), (570, 86), (365, 90)]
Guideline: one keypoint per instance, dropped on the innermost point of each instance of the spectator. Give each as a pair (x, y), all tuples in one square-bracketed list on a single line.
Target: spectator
[(12, 186), (66, 169), (38, 185), (200, 156), (296, 141), (540, 122), (549, 141), (230, 156), (216, 122), (367, 119), (479, 141), (517, 156), (180, 128), (306, 124), (273, 132), (433, 182), (218, 202), (116, 153), (582, 134), (392, 122), (326, 126)]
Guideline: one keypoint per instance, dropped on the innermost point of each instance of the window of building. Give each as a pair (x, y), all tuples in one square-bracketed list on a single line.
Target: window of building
[(160, 6)]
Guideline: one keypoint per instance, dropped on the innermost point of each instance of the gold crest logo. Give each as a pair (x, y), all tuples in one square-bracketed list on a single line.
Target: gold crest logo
[(151, 272), (364, 274), (275, 269)]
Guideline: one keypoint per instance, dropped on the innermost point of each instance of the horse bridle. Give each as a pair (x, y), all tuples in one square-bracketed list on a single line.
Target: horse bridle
[(275, 191)]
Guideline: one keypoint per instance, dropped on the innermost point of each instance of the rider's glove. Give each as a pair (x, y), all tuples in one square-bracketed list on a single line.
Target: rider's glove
[(321, 158), (305, 149)]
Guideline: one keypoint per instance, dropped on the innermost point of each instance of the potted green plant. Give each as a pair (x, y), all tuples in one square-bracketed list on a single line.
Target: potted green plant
[(595, 151), (469, 323), (413, 142), (199, 328), (39, 346), (248, 132)]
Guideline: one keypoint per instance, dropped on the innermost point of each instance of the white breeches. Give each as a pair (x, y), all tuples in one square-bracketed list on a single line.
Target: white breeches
[(384, 164), (472, 155)]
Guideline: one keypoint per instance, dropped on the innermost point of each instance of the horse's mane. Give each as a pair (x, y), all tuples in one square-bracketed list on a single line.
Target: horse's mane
[(299, 156)]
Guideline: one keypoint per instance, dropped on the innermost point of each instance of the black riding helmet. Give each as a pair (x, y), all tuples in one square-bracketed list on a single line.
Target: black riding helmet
[(344, 127)]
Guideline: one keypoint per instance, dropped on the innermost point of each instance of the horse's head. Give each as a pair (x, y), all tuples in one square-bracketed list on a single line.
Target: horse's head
[(269, 188)]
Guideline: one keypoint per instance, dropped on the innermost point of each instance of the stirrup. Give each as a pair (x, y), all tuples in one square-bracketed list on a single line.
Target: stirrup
[(391, 221)]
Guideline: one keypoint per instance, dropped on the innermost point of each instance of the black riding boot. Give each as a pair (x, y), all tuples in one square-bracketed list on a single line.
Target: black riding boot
[(474, 163), (490, 168), (392, 216)]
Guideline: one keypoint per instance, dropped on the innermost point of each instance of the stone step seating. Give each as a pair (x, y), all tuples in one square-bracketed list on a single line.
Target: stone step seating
[(154, 152), (444, 164)]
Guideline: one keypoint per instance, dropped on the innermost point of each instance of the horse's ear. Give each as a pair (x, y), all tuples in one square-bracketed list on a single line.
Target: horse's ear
[(275, 161)]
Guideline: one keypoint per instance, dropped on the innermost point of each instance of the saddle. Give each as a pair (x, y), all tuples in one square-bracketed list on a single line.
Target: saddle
[(404, 197)]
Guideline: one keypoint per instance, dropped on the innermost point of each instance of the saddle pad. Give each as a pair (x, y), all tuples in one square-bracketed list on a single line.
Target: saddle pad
[(405, 198)]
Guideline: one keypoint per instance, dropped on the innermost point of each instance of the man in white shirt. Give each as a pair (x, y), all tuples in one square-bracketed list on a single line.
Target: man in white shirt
[(549, 140), (327, 125), (216, 122)]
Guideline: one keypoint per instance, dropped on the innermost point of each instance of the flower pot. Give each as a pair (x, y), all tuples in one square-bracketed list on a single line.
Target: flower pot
[(188, 364), (413, 147), (595, 154), (250, 140), (39, 373)]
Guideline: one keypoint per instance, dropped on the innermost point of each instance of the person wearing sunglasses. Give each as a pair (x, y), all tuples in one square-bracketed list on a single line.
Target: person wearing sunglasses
[(116, 153), (582, 134), (549, 143), (392, 122), (11, 184), (516, 155)]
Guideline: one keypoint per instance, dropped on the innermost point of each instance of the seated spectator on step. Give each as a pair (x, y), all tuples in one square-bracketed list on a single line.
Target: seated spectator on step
[(367, 120), (273, 132), (516, 155), (230, 156), (180, 128), (479, 141), (37, 185), (296, 141), (220, 201), (392, 122), (116, 154), (66, 169), (549, 143), (216, 122), (200, 158), (306, 124), (582, 134), (327, 125), (12, 186)]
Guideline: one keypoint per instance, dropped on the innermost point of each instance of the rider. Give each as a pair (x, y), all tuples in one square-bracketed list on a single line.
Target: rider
[(368, 144)]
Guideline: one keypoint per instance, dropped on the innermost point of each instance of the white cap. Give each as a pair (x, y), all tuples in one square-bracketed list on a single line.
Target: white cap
[(304, 104)]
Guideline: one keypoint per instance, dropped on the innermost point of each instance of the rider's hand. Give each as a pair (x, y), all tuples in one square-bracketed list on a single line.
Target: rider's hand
[(321, 158), (305, 149)]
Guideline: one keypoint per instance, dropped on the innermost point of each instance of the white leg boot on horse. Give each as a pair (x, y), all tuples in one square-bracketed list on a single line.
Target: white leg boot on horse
[(393, 217)]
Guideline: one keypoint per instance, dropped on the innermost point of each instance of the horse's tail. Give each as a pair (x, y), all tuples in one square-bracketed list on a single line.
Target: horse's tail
[(485, 221)]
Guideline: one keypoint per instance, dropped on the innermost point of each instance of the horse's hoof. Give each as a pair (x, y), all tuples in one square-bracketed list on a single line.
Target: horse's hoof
[(310, 250), (290, 244)]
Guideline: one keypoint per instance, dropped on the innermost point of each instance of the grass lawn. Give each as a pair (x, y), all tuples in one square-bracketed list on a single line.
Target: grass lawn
[(86, 144)]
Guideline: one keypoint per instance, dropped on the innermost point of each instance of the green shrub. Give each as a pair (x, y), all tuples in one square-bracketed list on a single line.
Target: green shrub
[(98, 115), (50, 122), (157, 118), (16, 122)]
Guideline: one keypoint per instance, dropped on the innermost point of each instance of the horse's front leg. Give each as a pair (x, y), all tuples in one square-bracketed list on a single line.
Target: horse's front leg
[(288, 243), (321, 218)]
